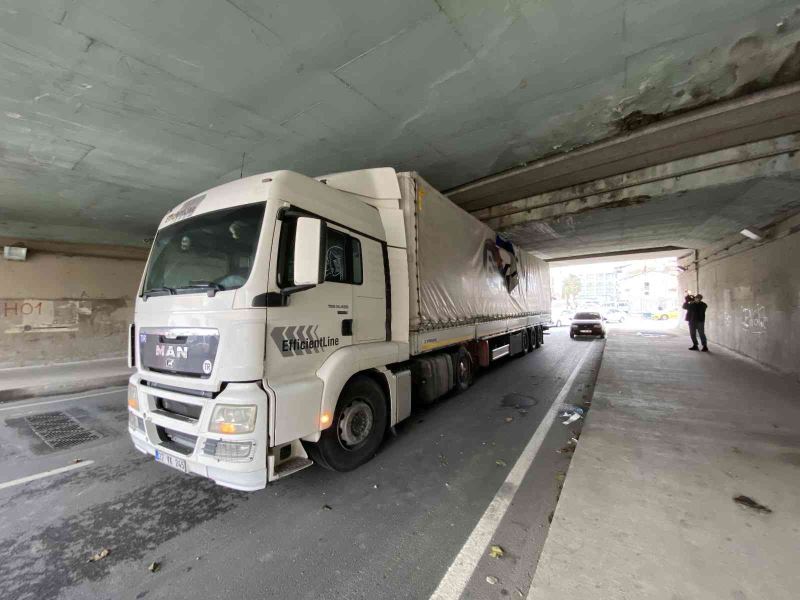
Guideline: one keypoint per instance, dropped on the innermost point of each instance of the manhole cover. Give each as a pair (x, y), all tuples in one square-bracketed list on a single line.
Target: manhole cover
[(518, 401), (59, 431)]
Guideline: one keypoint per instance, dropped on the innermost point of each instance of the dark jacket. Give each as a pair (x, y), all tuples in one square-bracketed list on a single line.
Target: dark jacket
[(689, 308), (699, 312)]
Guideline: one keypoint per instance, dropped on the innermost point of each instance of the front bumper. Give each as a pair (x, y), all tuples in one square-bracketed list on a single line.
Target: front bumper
[(587, 331), (186, 435)]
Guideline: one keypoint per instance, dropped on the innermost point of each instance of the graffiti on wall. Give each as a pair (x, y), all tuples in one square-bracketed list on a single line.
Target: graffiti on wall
[(57, 316), (754, 319)]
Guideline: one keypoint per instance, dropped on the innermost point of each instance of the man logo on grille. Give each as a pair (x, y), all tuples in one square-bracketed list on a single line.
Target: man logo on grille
[(297, 340)]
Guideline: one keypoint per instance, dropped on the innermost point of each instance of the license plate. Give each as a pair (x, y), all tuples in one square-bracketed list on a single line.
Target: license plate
[(171, 461), (586, 331)]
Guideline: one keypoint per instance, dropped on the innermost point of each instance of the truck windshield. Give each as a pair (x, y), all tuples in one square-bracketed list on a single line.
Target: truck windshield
[(214, 251)]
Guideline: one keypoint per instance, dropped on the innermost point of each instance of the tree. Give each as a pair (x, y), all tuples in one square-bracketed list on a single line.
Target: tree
[(570, 289)]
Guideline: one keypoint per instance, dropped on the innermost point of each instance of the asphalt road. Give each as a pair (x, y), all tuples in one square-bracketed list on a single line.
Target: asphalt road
[(390, 529)]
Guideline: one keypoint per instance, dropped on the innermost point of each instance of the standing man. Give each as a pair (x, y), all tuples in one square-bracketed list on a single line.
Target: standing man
[(688, 306), (696, 315)]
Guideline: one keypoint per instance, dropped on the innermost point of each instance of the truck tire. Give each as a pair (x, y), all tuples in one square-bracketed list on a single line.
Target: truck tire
[(359, 424), (537, 337), (462, 362), (526, 342)]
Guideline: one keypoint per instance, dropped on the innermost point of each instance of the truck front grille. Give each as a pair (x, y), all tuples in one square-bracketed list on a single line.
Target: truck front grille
[(182, 409), (176, 440)]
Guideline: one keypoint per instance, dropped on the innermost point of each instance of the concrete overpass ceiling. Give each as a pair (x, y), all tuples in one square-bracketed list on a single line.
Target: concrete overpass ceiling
[(691, 219), (112, 111)]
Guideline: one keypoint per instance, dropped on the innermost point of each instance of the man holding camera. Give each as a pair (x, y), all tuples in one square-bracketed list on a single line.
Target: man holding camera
[(696, 317)]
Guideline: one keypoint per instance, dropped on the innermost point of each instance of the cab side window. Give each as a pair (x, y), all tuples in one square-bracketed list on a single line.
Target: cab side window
[(342, 256), (335, 256)]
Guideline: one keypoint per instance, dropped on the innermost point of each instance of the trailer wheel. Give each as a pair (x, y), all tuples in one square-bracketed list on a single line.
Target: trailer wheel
[(463, 369), (359, 424), (537, 336), (526, 342)]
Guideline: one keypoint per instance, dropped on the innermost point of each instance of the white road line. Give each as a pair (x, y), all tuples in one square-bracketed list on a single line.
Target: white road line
[(32, 404), (458, 575), (22, 480)]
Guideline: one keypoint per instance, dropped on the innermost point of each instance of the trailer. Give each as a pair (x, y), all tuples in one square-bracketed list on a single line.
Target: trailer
[(284, 320)]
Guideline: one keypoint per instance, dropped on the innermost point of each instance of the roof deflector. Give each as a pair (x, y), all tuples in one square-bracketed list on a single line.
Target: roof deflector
[(380, 184)]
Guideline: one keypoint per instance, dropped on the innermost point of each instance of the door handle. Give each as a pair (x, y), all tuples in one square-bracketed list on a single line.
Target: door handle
[(347, 326)]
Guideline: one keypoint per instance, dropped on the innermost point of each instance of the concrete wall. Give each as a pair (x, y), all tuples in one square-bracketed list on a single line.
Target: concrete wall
[(753, 296), (56, 307)]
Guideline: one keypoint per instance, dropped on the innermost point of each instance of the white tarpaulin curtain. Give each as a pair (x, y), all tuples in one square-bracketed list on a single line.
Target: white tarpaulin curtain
[(463, 270)]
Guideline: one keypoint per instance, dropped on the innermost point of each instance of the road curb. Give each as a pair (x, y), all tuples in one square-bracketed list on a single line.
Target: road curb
[(62, 387)]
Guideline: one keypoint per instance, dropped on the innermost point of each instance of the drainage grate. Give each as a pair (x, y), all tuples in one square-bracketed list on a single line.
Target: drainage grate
[(59, 431)]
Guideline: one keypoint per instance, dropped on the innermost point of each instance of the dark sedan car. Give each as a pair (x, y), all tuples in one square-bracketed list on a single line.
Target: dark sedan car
[(587, 323)]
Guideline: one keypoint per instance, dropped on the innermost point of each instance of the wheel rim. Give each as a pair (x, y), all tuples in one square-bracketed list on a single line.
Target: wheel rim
[(463, 370), (355, 424)]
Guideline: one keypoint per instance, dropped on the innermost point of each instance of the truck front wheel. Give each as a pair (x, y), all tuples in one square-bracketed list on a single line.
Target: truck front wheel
[(359, 424), (463, 367)]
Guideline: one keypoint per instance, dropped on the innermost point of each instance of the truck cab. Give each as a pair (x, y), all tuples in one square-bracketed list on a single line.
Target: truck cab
[(263, 328)]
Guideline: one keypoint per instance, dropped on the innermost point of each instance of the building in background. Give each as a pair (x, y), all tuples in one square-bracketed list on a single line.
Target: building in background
[(651, 286), (643, 287)]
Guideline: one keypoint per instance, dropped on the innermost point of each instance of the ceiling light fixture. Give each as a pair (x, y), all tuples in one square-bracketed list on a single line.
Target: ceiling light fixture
[(15, 252), (753, 233)]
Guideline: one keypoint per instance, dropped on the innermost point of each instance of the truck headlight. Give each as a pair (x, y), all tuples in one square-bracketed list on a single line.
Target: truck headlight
[(133, 396), (233, 418)]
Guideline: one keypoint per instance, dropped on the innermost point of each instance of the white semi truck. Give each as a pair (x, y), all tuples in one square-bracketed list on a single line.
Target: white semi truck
[(284, 320)]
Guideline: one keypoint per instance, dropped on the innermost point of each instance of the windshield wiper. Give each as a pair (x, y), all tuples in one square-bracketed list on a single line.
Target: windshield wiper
[(212, 287), (158, 290)]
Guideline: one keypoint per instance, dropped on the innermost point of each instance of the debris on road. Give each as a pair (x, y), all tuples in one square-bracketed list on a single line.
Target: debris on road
[(509, 419), (570, 447), (99, 555), (748, 502), (154, 566), (75, 461), (500, 462), (571, 413), (491, 579), (560, 476), (327, 507), (496, 551)]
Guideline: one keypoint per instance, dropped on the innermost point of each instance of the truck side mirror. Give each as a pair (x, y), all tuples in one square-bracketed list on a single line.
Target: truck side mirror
[(307, 252)]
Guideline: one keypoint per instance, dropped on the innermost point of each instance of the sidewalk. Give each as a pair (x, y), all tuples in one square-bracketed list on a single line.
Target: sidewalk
[(27, 382), (647, 508)]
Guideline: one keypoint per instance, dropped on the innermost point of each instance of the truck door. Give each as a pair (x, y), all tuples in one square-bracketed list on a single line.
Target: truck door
[(369, 291), (305, 329)]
